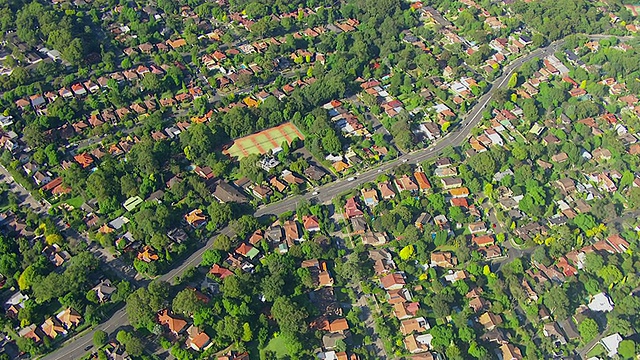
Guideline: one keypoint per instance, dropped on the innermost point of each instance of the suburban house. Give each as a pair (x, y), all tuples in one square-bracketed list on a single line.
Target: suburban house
[(451, 183), (421, 179), (370, 197), (174, 324), (220, 272), (443, 259), (611, 344), (196, 218), (311, 223), (418, 343), (406, 310), (104, 290), (198, 340), (247, 251), (386, 191), (483, 241), (351, 208), (374, 239), (417, 325), (489, 320), (147, 254), (405, 183), (393, 281), (510, 352), (52, 328), (319, 272), (291, 232), (69, 318), (477, 227)]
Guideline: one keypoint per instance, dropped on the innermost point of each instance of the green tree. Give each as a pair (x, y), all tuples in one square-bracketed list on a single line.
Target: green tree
[(610, 274), (210, 257), (222, 243), (442, 337), (513, 80), (132, 343), (151, 83), (290, 316), (588, 329), (100, 338), (558, 302), (186, 302), (627, 349)]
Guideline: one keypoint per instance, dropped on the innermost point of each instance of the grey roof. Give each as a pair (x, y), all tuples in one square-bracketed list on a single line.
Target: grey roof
[(225, 192)]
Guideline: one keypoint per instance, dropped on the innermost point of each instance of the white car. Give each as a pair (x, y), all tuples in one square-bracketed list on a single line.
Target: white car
[(351, 178), (314, 193)]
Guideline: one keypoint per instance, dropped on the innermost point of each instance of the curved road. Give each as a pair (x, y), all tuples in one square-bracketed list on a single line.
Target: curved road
[(76, 346)]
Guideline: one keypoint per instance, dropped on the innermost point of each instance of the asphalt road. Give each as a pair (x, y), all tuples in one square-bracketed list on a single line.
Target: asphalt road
[(75, 348)]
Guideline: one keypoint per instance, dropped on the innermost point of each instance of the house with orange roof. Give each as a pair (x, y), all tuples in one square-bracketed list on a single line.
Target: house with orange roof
[(414, 325), (247, 251), (291, 232), (339, 326), (178, 43), (174, 324), (418, 343), (311, 223), (482, 241), (421, 179), (340, 166), (220, 272), (393, 281), (459, 192), (490, 320), (147, 254), (370, 197), (618, 244), (31, 332), (251, 102), (351, 208), (276, 183), (510, 352), (105, 229), (196, 218), (443, 259), (319, 272), (85, 160), (385, 190), (52, 328), (69, 318), (256, 237), (405, 183), (406, 310), (566, 268), (198, 340)]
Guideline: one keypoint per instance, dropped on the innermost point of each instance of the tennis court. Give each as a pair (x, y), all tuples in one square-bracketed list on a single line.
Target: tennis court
[(264, 141)]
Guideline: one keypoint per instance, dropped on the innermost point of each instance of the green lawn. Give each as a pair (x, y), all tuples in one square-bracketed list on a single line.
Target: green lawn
[(76, 202), (597, 351), (277, 345)]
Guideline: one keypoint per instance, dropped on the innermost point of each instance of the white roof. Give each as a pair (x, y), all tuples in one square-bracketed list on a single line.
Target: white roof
[(328, 355), (601, 302), (611, 344)]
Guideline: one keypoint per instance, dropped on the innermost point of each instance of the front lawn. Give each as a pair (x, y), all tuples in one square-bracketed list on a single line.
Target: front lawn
[(597, 351), (76, 202), (277, 345)]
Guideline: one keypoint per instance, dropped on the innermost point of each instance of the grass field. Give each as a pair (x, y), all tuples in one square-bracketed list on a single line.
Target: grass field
[(277, 346), (76, 202), (264, 141)]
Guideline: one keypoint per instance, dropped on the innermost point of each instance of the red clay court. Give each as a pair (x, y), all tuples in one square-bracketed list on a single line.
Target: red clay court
[(264, 141)]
